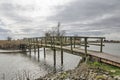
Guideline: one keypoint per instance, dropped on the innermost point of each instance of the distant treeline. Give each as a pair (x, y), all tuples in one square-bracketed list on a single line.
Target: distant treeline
[(112, 41)]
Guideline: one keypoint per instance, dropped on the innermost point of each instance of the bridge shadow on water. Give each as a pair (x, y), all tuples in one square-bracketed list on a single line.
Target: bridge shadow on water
[(47, 63)]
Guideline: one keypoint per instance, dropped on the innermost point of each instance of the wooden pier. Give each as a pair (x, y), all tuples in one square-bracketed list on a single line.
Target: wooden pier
[(74, 45)]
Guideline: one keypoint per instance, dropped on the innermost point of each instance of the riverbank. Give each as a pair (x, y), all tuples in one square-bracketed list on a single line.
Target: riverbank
[(10, 45), (87, 71), (11, 51)]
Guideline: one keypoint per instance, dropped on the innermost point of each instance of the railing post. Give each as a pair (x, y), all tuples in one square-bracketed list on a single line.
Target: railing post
[(30, 47), (74, 42), (65, 39), (37, 40), (31, 40), (101, 46), (80, 42), (45, 41), (41, 41), (51, 41)]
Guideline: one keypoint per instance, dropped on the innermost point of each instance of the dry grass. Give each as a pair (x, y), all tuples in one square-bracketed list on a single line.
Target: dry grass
[(13, 44)]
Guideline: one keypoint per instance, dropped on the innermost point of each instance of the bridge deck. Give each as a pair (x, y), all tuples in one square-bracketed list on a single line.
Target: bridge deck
[(105, 57)]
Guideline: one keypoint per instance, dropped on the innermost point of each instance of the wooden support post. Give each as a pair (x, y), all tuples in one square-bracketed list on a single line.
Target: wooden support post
[(62, 58), (74, 42), (30, 46), (38, 52), (34, 48), (54, 52), (71, 44), (101, 47), (61, 51), (85, 46), (44, 53), (54, 57)]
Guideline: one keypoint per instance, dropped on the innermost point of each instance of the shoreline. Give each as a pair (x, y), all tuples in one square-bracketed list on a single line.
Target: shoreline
[(10, 51), (86, 71)]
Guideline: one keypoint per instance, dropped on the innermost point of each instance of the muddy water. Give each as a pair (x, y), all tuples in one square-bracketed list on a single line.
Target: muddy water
[(14, 65)]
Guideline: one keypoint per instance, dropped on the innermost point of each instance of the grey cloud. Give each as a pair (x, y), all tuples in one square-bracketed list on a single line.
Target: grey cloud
[(88, 10), (83, 17), (9, 6), (11, 11), (4, 33)]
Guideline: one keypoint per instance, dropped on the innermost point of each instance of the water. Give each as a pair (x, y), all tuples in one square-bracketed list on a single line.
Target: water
[(15, 64), (111, 48)]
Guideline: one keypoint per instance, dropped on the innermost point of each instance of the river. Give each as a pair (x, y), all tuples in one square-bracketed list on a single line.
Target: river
[(111, 48), (12, 65)]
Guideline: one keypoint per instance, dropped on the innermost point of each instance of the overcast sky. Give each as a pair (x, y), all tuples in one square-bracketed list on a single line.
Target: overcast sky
[(29, 18)]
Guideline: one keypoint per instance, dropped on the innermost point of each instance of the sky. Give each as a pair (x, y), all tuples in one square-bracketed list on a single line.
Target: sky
[(32, 18)]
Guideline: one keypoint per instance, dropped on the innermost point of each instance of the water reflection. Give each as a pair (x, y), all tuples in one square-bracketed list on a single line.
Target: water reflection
[(10, 64)]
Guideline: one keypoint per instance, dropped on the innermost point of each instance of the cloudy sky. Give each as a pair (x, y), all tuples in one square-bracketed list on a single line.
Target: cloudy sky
[(29, 18)]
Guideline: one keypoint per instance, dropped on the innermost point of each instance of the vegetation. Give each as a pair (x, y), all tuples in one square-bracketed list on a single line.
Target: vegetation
[(11, 45), (55, 31), (9, 38), (101, 77), (113, 70)]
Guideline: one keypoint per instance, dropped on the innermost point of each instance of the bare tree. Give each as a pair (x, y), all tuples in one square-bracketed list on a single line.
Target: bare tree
[(55, 31), (9, 38), (47, 34), (58, 29), (62, 33)]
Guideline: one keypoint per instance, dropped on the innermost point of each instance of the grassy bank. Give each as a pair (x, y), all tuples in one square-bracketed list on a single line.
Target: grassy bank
[(87, 71), (113, 70)]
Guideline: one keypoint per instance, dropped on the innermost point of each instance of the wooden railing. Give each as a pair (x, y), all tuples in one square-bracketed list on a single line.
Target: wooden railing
[(71, 41)]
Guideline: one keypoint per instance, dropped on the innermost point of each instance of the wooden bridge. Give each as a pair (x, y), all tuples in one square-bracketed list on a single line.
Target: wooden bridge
[(74, 45)]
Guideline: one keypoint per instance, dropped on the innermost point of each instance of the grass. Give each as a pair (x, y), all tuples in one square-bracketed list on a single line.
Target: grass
[(100, 77), (113, 70)]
